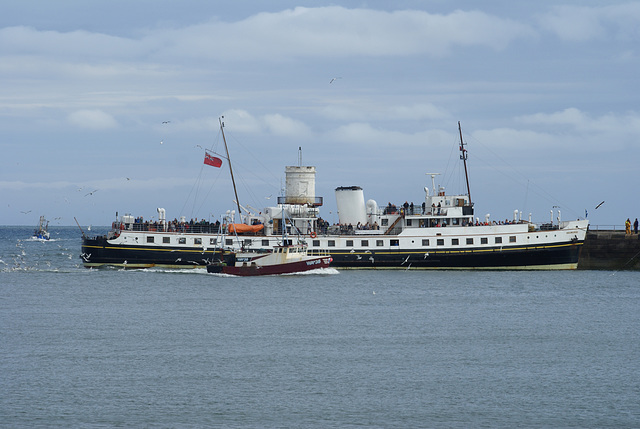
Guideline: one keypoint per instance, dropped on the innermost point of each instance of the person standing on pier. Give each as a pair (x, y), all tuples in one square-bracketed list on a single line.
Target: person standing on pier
[(627, 227), (635, 226)]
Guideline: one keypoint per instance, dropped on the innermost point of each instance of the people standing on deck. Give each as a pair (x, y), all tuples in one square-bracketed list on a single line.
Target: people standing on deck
[(627, 227), (635, 226)]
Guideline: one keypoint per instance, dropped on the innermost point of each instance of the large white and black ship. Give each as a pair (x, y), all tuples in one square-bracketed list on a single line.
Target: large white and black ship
[(440, 232)]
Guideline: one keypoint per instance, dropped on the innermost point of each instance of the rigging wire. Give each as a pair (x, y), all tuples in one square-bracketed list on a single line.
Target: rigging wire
[(245, 172), (252, 172), (199, 180), (453, 174), (517, 176)]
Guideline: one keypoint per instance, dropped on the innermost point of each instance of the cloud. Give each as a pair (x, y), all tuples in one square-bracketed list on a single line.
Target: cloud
[(19, 185), (74, 189), (583, 23), (361, 133), (338, 31), (582, 122), (364, 111), (323, 31), (283, 126), (92, 119), (273, 124), (29, 41), (570, 116)]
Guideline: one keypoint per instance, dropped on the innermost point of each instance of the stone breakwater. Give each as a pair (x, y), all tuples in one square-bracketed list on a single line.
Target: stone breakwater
[(610, 250)]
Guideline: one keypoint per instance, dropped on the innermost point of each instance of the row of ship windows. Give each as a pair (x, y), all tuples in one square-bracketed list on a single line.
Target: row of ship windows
[(183, 240), (425, 242), (349, 243), (197, 241)]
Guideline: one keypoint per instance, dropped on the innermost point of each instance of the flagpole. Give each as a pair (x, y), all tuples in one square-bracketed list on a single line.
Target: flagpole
[(235, 191)]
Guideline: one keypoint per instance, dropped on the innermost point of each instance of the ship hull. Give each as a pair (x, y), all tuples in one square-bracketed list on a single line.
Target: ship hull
[(559, 256), (99, 252), (266, 270)]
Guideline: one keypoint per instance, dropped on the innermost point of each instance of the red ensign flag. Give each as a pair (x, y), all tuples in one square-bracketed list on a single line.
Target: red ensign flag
[(212, 160)]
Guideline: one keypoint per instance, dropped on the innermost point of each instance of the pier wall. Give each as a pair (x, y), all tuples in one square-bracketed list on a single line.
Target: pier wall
[(610, 250)]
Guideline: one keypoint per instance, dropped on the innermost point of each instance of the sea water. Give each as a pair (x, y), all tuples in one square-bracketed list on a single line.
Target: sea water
[(161, 348)]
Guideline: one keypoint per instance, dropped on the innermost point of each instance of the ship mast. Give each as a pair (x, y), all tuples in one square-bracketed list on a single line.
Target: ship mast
[(235, 191), (463, 157)]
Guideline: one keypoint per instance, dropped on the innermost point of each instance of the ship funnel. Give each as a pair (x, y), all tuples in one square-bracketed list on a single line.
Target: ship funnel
[(351, 207), (300, 186)]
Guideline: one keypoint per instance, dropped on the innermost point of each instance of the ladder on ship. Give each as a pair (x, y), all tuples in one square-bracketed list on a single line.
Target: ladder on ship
[(391, 229)]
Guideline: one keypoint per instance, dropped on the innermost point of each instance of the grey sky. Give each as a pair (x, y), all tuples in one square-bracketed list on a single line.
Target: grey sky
[(546, 93)]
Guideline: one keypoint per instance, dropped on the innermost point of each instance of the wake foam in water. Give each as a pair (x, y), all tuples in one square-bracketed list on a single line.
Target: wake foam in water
[(318, 271)]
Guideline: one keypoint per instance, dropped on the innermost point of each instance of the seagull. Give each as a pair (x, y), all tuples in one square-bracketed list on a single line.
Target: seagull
[(91, 193), (331, 81), (359, 257), (165, 122), (27, 212), (352, 251), (406, 260), (161, 142), (371, 259), (599, 205), (425, 255)]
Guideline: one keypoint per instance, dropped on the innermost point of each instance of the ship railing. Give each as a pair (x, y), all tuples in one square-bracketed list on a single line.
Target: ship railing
[(548, 226), (606, 227), (301, 201), (170, 227), (416, 211), (412, 211)]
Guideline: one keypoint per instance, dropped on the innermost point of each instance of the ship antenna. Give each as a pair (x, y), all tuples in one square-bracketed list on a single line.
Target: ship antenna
[(299, 156), (235, 191), (463, 157)]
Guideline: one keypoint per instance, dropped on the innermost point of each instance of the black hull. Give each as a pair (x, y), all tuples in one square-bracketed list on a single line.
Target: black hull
[(98, 252), (557, 256)]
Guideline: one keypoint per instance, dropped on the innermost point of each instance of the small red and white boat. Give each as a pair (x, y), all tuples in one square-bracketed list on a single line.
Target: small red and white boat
[(284, 259)]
